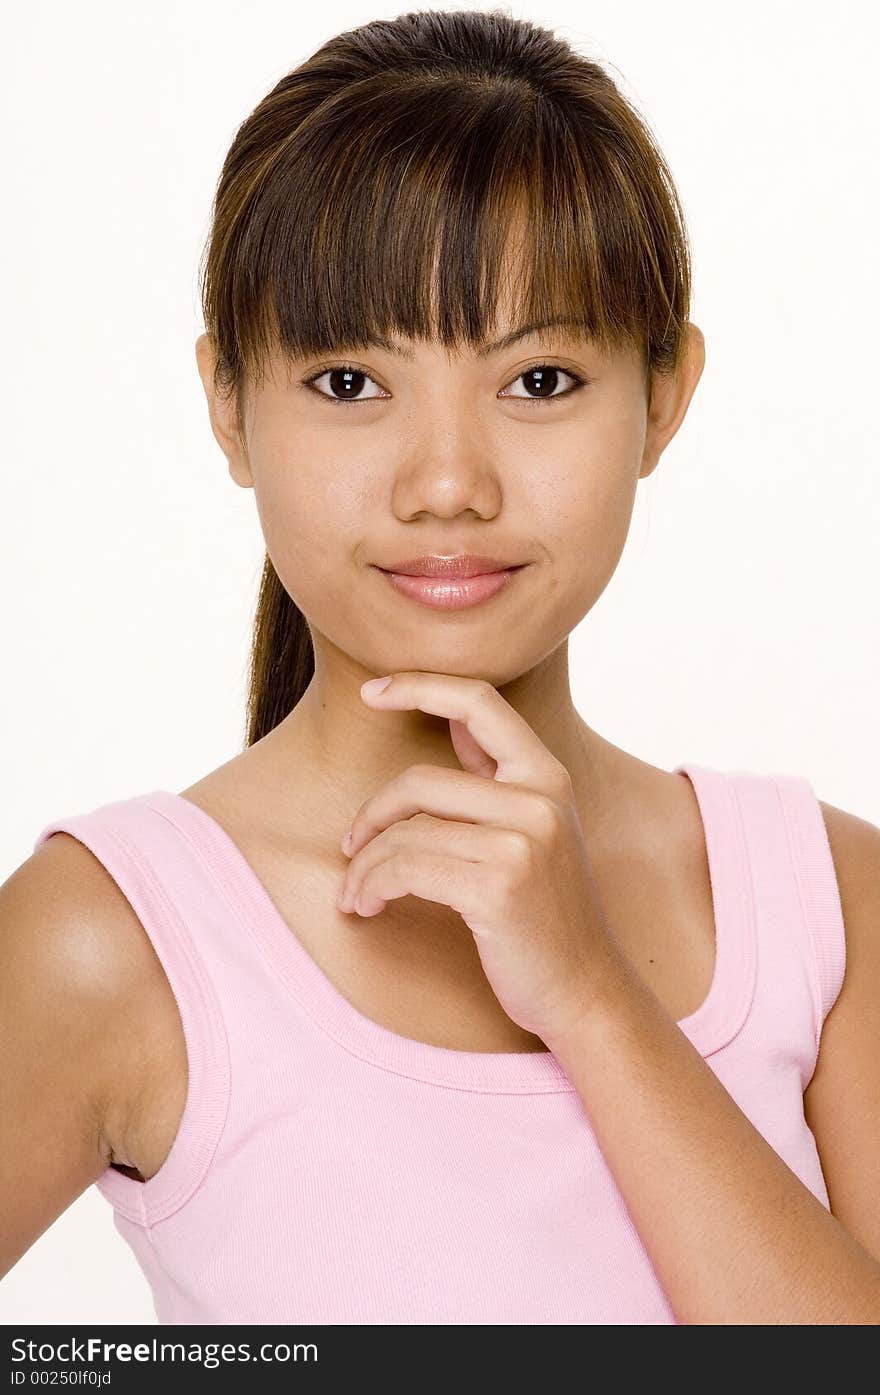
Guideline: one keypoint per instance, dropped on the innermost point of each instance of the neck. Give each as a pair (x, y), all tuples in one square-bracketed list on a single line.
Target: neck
[(333, 751)]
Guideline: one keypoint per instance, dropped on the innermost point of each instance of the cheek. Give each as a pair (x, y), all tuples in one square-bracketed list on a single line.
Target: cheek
[(583, 514), (311, 530), (299, 519), (588, 509)]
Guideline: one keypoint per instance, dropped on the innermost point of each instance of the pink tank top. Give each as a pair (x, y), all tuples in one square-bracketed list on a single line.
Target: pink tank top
[(328, 1170)]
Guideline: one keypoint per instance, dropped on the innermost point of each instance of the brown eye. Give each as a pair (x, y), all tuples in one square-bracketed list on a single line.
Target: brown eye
[(542, 381), (345, 384)]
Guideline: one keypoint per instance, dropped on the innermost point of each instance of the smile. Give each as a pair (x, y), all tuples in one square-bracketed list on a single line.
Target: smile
[(445, 593)]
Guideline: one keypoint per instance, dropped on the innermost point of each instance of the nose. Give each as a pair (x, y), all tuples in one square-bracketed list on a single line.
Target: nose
[(447, 468)]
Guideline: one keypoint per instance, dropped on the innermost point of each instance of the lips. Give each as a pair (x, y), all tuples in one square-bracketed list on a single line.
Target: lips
[(452, 568), (463, 582)]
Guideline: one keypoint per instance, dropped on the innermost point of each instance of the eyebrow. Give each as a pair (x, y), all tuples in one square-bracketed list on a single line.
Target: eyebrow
[(512, 337)]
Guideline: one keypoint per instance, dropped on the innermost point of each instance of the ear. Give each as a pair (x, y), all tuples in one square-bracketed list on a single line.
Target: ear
[(670, 399), (222, 412)]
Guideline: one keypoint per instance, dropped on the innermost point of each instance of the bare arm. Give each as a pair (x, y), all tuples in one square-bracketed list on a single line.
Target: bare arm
[(734, 1236), (842, 1101), (74, 966)]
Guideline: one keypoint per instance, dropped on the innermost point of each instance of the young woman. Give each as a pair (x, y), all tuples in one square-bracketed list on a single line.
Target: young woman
[(556, 1036)]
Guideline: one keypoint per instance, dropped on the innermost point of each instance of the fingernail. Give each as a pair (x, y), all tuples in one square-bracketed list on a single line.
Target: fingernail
[(375, 685)]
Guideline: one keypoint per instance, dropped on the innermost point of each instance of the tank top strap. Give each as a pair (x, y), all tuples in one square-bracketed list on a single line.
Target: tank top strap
[(798, 909), (818, 890), (171, 896)]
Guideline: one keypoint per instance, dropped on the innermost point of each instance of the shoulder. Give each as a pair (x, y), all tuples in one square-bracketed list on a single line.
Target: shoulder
[(855, 850), (86, 983), (842, 1100)]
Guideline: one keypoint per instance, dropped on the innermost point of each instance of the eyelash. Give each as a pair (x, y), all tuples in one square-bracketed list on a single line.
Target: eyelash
[(579, 381)]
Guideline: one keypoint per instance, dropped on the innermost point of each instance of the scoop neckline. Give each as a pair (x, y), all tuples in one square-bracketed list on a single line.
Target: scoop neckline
[(710, 1027)]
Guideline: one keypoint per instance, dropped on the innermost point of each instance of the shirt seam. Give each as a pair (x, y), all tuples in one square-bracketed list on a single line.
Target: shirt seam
[(813, 957), (216, 1065)]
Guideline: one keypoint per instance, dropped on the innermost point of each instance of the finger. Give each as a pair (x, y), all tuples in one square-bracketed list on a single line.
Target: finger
[(449, 794), (497, 728), (426, 836), (471, 754), (448, 881)]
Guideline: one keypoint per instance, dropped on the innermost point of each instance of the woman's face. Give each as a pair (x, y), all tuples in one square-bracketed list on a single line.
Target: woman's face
[(424, 452)]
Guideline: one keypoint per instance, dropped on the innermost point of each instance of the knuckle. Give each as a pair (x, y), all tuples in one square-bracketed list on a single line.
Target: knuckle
[(420, 771), (546, 815), (518, 847)]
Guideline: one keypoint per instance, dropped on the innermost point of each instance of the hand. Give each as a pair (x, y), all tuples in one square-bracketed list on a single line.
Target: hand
[(500, 842)]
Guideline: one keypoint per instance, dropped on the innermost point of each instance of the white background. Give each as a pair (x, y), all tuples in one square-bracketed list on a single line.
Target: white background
[(740, 630)]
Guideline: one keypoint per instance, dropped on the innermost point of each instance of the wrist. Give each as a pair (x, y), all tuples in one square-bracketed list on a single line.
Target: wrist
[(609, 988)]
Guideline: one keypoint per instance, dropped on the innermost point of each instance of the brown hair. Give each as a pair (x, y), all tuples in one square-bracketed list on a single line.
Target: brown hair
[(373, 191)]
